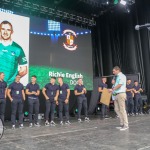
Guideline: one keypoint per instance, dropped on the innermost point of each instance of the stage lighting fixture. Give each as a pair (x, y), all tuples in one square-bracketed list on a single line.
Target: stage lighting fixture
[(128, 10), (107, 2), (48, 12), (123, 2)]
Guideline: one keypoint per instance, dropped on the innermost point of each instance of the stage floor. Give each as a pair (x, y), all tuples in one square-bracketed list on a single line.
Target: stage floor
[(95, 135)]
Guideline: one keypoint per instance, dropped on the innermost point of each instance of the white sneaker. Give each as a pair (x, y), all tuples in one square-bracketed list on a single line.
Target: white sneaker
[(21, 126), (132, 114), (61, 123), (121, 126), (141, 114), (47, 123), (13, 127), (87, 119), (30, 125), (37, 124), (67, 122), (124, 128), (53, 123), (79, 120)]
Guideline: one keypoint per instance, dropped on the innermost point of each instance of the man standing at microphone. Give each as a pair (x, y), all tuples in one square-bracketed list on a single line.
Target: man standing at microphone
[(120, 90)]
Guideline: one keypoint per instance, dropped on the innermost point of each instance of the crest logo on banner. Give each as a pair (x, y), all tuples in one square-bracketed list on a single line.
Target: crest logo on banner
[(70, 40)]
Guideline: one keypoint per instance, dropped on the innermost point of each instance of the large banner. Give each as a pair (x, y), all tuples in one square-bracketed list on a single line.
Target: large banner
[(14, 46), (49, 49), (60, 50)]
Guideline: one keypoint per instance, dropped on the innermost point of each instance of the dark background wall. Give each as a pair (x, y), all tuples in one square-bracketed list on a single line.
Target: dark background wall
[(116, 42)]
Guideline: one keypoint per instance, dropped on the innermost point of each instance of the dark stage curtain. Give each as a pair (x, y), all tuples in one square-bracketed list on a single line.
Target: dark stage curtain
[(116, 42)]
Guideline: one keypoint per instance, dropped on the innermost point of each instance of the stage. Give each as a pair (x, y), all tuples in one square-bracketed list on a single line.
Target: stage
[(97, 134)]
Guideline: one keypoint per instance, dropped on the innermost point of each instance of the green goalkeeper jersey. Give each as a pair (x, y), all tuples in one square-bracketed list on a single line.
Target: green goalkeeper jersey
[(11, 57)]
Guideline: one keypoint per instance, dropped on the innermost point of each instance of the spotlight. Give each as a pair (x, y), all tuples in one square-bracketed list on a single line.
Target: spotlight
[(123, 2), (107, 2), (128, 10)]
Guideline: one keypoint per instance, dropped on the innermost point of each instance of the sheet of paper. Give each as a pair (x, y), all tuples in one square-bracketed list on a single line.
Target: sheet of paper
[(105, 97)]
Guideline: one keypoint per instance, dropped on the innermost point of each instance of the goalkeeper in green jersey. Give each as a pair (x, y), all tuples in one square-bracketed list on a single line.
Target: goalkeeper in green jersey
[(12, 57)]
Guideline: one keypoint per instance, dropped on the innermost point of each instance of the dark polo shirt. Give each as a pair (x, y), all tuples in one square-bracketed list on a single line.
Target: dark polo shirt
[(63, 91), (79, 89), (137, 88), (51, 90), (16, 90), (33, 88), (102, 85), (129, 94)]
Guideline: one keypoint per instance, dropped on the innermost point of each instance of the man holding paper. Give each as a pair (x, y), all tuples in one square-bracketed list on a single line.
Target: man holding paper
[(120, 90), (101, 87)]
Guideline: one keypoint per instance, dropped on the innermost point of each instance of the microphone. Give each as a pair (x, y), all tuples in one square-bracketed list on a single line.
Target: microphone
[(138, 27)]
